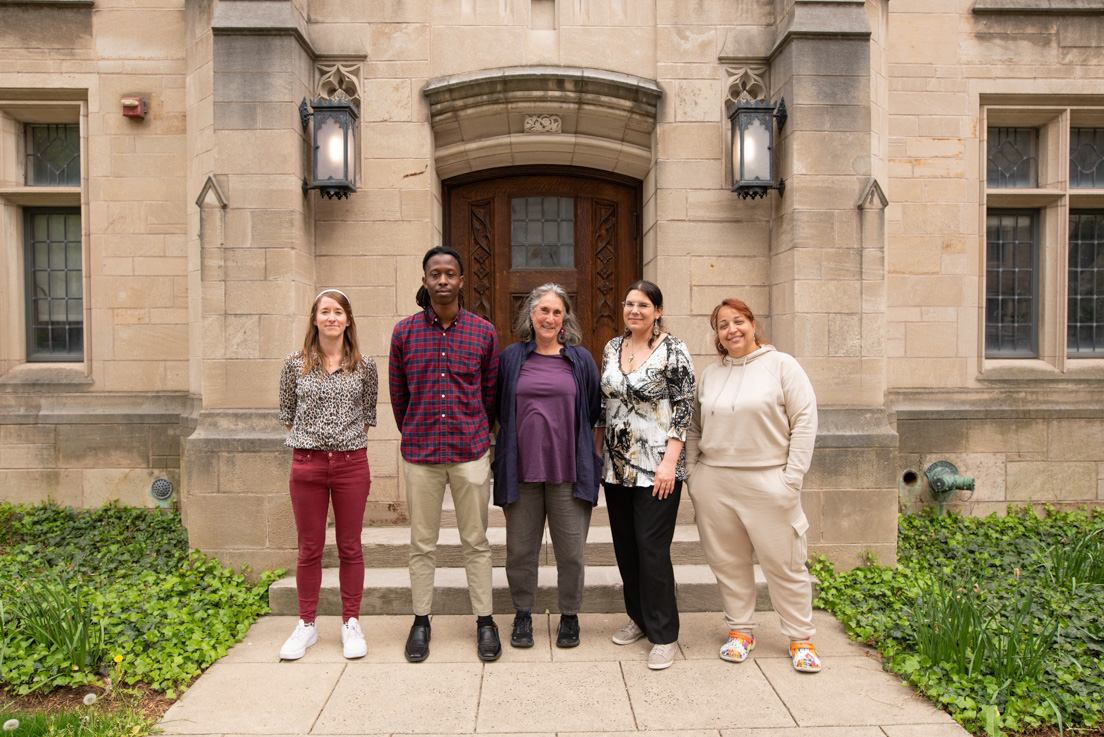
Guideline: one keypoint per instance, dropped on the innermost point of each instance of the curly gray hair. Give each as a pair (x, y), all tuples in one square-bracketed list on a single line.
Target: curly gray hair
[(523, 324)]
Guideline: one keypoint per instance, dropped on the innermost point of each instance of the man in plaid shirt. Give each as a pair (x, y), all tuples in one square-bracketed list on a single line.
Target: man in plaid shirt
[(443, 365)]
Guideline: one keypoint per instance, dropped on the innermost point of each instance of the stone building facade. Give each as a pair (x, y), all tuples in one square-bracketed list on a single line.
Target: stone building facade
[(936, 261)]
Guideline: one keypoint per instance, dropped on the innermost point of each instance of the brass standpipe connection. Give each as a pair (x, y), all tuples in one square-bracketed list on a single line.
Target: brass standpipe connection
[(944, 481)]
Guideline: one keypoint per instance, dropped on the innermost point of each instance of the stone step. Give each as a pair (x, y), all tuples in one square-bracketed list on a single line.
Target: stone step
[(389, 547), (600, 515), (387, 591)]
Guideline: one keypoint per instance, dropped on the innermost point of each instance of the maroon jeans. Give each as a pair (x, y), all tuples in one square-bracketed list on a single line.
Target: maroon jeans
[(317, 477)]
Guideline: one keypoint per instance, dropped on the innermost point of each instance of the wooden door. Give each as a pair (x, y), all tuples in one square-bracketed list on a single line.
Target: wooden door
[(520, 228)]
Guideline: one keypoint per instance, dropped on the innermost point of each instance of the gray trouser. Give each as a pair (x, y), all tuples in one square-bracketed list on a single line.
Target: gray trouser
[(568, 521)]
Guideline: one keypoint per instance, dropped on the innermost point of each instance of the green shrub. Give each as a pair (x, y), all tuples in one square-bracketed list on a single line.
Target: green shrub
[(166, 613), (996, 619)]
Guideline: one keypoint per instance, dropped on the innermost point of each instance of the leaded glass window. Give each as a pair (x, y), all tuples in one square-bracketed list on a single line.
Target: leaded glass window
[(1087, 158), (1010, 284), (1085, 318), (53, 155), (55, 300), (1013, 157), (542, 232)]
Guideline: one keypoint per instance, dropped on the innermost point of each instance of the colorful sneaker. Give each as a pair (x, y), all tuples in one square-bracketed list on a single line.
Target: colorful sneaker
[(662, 656), (804, 657), (352, 639), (738, 646), (628, 634), (296, 646)]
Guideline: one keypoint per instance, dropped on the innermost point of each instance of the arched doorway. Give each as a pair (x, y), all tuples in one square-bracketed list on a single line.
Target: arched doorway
[(520, 227)]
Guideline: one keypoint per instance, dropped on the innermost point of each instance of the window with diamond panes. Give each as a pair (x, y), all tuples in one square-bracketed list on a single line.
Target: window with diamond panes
[(53, 155), (1085, 317), (1087, 158), (542, 232), (1013, 157), (55, 300), (1010, 284)]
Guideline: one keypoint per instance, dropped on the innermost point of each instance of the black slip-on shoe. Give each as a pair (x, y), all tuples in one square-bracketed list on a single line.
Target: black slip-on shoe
[(417, 643), (522, 634), (569, 632), (487, 642)]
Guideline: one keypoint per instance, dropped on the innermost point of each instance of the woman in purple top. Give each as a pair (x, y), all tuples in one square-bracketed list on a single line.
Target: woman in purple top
[(545, 466)]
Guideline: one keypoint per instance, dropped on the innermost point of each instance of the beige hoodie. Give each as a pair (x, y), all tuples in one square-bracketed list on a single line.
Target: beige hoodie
[(758, 411)]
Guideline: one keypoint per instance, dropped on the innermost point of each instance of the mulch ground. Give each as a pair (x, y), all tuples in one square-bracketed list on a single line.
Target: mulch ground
[(138, 698)]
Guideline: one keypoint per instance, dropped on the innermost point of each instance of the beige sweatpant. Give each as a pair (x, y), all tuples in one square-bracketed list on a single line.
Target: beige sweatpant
[(741, 510)]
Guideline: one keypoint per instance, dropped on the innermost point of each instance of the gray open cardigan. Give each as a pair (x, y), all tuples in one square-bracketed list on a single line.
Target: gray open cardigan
[(588, 408)]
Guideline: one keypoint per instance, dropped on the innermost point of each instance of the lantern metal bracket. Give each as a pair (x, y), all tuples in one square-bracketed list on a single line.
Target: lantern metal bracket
[(305, 113)]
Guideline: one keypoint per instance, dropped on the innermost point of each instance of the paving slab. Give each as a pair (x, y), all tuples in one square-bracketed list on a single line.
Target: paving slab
[(807, 732), (925, 730), (702, 695), (254, 698), (559, 697), (416, 699), (849, 691)]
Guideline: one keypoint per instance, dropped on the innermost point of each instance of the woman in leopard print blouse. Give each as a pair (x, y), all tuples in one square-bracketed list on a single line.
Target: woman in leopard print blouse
[(327, 402)]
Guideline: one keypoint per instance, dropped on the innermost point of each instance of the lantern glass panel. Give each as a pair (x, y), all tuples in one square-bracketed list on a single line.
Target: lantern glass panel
[(330, 162), (756, 150)]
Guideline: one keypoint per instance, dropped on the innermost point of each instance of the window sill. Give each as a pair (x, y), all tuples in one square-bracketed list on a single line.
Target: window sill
[(41, 196), (53, 377), (1035, 370)]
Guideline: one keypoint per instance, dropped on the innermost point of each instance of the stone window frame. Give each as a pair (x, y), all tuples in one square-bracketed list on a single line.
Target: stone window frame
[(1052, 201), (17, 196)]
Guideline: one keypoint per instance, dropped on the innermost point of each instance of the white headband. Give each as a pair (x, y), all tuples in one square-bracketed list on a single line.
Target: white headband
[(333, 290)]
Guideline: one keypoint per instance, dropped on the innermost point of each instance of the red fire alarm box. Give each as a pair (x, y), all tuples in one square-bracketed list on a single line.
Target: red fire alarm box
[(134, 107)]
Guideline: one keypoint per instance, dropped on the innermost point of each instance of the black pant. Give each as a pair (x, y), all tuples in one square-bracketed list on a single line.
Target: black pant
[(643, 527)]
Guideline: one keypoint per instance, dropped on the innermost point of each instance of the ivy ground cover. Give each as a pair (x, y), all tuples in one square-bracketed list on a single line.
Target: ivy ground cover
[(113, 597), (1000, 620)]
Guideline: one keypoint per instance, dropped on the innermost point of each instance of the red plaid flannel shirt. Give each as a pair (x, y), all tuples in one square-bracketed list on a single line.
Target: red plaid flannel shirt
[(442, 384)]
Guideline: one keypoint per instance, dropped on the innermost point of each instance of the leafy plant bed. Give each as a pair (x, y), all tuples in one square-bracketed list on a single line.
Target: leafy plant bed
[(112, 598), (998, 620)]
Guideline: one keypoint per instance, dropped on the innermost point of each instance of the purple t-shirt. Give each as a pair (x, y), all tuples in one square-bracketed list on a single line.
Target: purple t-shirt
[(546, 420)]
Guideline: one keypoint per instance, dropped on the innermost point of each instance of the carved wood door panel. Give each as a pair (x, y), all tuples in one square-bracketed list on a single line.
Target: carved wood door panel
[(519, 229)]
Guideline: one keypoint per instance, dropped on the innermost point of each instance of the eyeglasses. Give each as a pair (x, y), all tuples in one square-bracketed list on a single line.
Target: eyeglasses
[(636, 305)]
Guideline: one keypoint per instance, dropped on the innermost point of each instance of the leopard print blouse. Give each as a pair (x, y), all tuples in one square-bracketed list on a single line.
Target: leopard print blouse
[(327, 411)]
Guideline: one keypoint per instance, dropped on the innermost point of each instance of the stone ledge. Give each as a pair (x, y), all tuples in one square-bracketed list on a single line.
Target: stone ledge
[(1039, 7), (96, 408), (855, 428), (980, 404)]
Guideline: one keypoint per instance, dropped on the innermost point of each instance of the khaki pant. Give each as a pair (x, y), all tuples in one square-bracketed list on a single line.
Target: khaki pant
[(425, 492), (743, 510)]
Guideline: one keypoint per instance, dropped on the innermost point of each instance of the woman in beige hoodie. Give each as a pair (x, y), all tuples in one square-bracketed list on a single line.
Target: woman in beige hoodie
[(749, 445)]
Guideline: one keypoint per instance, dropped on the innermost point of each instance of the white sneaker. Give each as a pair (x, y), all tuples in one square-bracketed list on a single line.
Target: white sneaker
[(628, 634), (352, 639), (296, 646), (662, 656)]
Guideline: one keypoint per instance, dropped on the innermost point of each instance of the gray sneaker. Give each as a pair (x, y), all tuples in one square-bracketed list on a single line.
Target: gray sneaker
[(662, 656), (628, 634)]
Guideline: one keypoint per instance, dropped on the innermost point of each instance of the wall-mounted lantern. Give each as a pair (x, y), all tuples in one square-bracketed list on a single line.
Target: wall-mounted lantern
[(335, 145), (753, 147)]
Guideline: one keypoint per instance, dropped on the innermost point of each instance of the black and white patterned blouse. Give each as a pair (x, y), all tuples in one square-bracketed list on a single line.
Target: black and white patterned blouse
[(327, 411), (644, 408)]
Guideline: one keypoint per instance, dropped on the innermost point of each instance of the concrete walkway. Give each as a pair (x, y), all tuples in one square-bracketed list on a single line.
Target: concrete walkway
[(595, 689)]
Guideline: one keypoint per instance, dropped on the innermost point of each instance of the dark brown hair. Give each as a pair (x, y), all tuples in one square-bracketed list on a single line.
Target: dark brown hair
[(741, 308), (651, 291), (350, 358)]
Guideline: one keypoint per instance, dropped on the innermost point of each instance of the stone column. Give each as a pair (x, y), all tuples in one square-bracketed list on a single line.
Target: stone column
[(255, 277), (827, 263)]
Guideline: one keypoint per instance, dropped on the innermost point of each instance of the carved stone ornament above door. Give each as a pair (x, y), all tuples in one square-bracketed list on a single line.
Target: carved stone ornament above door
[(508, 117)]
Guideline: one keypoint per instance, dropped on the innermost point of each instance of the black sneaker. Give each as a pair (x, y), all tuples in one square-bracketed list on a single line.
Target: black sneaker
[(569, 632), (522, 635)]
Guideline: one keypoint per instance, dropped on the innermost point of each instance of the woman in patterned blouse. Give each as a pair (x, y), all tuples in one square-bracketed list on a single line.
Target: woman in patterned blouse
[(327, 402), (648, 387)]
